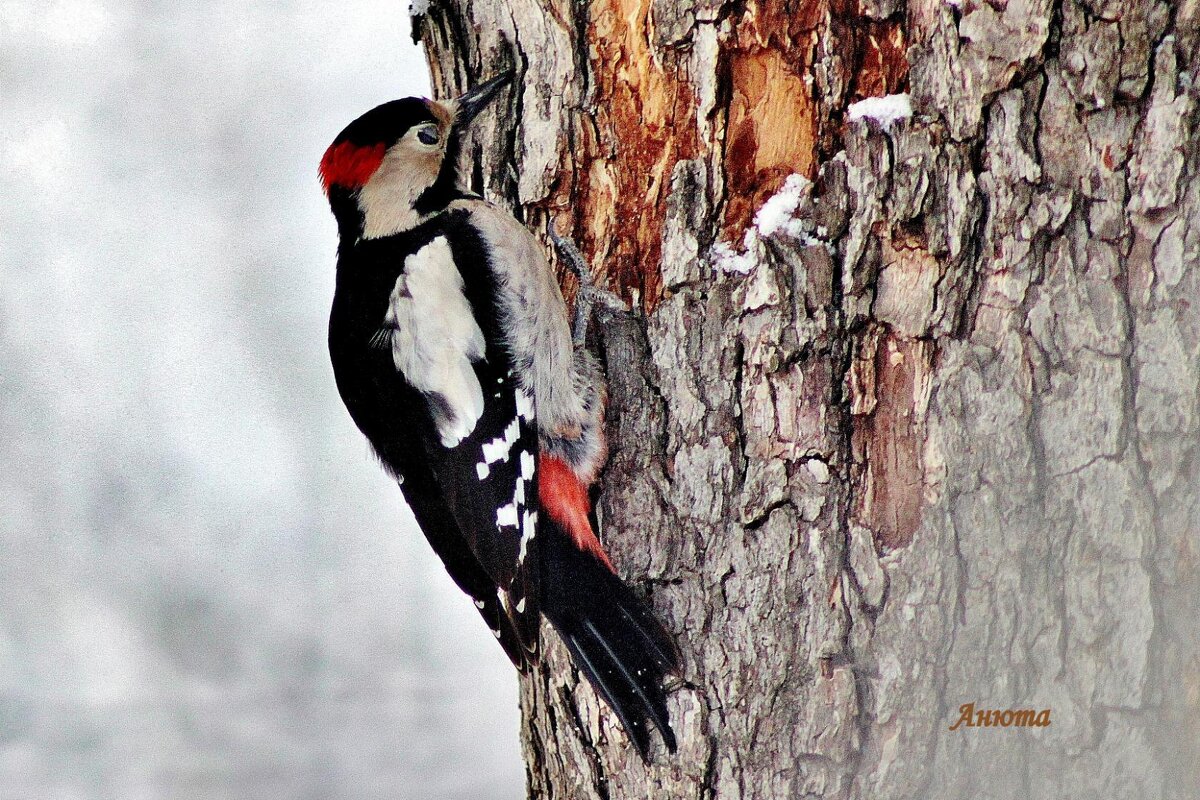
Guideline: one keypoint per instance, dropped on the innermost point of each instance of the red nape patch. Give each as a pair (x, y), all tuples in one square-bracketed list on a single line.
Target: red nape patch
[(565, 499), (349, 165)]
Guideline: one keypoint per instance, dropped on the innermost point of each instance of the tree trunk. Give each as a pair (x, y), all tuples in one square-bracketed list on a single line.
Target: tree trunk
[(926, 430)]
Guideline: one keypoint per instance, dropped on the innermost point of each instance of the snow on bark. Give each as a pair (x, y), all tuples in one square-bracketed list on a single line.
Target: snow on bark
[(886, 111)]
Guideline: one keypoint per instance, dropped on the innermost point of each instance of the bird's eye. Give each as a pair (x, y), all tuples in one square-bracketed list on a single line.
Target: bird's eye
[(428, 135)]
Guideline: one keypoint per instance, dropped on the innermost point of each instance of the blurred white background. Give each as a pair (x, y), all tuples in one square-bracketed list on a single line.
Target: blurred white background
[(208, 589)]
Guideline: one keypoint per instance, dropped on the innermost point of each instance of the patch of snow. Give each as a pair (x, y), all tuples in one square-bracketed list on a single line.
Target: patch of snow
[(726, 259), (778, 215), (885, 110), (779, 212), (418, 8)]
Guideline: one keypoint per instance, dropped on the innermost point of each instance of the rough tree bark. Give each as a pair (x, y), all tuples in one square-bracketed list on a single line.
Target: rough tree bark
[(939, 443)]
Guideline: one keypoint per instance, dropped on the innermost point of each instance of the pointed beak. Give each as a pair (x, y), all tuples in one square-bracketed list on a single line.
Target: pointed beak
[(470, 104)]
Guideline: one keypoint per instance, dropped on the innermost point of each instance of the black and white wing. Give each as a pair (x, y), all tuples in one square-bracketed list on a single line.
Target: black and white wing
[(447, 342)]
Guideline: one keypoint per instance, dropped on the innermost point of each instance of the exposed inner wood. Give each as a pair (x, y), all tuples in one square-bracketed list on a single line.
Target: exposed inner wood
[(890, 393), (771, 130), (644, 123), (881, 66)]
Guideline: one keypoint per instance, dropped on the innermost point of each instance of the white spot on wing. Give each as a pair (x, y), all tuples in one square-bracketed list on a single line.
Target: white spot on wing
[(437, 338), (507, 516), (524, 405), (527, 463), (521, 606), (494, 450), (482, 469), (480, 604), (528, 531), (497, 449)]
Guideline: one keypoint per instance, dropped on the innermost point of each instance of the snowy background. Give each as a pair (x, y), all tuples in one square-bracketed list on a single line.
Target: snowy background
[(207, 587)]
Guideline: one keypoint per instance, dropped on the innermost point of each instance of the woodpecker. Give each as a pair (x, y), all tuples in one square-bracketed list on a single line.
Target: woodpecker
[(453, 352)]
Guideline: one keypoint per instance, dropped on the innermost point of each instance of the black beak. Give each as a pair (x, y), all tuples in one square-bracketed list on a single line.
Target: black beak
[(471, 103)]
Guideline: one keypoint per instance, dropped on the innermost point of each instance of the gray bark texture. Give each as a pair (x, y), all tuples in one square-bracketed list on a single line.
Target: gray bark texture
[(925, 433)]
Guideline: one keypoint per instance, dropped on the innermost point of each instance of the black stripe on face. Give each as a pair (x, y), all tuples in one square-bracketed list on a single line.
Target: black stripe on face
[(444, 189)]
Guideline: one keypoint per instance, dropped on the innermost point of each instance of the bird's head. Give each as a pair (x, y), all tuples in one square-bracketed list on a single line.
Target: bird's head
[(398, 162)]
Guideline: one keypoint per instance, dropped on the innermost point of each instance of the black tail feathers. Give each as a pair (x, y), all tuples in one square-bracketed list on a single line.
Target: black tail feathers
[(613, 637)]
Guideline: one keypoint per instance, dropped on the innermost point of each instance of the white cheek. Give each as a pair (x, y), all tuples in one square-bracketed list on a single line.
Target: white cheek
[(387, 199)]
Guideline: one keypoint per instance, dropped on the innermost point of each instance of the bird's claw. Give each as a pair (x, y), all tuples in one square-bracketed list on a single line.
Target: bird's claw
[(589, 294)]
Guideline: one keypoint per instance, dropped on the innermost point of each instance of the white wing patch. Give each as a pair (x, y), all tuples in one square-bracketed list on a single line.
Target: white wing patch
[(524, 405), (528, 531), (498, 449), (437, 339), (506, 516)]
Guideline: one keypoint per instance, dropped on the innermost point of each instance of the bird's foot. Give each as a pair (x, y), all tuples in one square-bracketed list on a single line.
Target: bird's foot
[(589, 294)]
